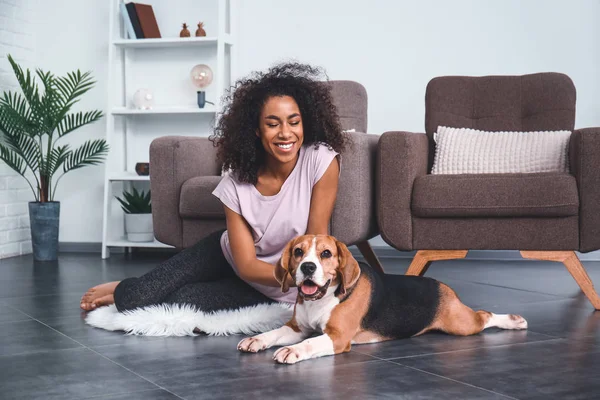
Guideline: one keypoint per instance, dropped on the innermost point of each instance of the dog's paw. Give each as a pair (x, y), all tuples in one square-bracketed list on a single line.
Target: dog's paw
[(287, 355), (517, 321), (251, 345)]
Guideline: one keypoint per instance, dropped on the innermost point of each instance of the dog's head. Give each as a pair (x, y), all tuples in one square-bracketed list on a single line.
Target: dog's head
[(316, 262)]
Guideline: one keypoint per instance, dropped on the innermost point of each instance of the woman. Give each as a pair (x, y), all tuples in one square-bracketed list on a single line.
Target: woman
[(279, 136)]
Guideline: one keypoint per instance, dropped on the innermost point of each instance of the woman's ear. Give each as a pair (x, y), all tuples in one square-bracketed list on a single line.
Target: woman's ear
[(349, 269), (282, 267)]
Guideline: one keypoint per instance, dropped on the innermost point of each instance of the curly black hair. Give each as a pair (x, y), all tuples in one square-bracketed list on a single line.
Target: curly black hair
[(240, 150)]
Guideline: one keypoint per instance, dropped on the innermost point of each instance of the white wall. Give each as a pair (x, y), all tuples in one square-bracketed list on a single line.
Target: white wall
[(392, 47), (16, 39), (395, 47)]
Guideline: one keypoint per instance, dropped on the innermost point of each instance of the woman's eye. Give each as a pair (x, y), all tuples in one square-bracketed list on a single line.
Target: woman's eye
[(271, 125), (325, 254), (294, 123), (298, 252)]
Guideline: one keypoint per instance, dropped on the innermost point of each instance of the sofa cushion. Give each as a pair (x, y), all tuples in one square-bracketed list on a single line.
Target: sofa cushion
[(534, 102), (473, 151), (495, 195), (197, 201)]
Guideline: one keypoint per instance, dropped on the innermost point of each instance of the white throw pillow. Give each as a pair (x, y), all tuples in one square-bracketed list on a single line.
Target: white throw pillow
[(471, 151)]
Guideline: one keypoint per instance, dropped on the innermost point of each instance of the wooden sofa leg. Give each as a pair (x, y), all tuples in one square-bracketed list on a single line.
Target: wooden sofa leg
[(367, 252), (575, 268), (422, 260)]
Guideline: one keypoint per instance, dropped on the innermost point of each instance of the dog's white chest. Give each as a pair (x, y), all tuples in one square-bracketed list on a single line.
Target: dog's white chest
[(313, 315)]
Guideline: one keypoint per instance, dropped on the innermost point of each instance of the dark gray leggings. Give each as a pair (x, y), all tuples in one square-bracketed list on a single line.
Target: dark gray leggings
[(199, 275)]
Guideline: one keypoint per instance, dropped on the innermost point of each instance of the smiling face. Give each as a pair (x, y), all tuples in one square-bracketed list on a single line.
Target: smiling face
[(316, 262), (280, 128)]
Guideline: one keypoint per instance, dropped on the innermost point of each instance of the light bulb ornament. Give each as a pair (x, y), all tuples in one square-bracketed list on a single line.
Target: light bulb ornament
[(201, 76)]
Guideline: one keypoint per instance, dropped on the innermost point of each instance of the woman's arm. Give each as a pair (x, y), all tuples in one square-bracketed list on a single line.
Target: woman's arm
[(249, 267), (323, 200), (240, 235)]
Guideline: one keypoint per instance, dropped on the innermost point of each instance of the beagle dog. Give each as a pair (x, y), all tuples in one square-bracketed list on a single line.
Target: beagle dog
[(346, 302)]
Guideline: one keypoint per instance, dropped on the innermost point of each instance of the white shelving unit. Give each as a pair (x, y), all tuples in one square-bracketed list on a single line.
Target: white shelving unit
[(163, 66)]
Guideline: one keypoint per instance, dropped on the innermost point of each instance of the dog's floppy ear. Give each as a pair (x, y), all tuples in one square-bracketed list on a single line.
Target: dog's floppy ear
[(349, 269), (281, 268)]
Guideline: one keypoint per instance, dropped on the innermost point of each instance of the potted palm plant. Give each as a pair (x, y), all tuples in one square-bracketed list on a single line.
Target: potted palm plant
[(138, 215), (32, 124)]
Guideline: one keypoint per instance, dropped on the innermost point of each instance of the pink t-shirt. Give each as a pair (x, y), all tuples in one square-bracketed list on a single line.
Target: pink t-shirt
[(277, 219)]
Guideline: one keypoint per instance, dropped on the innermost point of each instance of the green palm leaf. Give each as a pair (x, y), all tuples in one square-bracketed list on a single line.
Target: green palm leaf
[(27, 84), (50, 103), (57, 158), (90, 153), (73, 121), (27, 148), (16, 117), (12, 159), (72, 86)]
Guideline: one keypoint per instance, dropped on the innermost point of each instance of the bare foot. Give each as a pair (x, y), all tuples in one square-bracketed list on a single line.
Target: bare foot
[(101, 295)]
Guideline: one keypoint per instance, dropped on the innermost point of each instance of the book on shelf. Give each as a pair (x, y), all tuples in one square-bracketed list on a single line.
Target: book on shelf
[(135, 22), (127, 21), (140, 21), (147, 20)]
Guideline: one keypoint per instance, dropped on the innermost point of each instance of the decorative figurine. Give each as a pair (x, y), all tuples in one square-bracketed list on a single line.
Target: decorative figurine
[(142, 168), (184, 32), (143, 99), (200, 31)]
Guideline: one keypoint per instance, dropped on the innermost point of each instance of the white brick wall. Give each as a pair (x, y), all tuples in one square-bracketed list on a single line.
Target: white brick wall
[(16, 39)]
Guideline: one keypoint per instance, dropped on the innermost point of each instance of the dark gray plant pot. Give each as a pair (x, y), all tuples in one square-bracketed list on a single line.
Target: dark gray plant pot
[(44, 219)]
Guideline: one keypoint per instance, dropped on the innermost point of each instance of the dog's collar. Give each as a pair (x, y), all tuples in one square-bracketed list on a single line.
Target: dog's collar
[(338, 293)]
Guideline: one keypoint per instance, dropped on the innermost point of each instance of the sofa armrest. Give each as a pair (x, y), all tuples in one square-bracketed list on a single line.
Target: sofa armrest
[(353, 219), (584, 160), (174, 160), (401, 157)]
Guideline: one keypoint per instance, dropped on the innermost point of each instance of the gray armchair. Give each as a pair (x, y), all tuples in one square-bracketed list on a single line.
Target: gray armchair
[(546, 215), (185, 171)]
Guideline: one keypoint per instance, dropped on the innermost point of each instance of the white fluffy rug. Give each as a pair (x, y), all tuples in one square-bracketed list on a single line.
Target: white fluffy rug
[(181, 320)]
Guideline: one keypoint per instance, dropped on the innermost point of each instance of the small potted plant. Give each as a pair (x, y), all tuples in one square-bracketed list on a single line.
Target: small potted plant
[(138, 215), (33, 125)]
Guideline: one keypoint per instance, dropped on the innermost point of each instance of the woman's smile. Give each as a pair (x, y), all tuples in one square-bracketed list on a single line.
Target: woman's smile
[(285, 147), (280, 129)]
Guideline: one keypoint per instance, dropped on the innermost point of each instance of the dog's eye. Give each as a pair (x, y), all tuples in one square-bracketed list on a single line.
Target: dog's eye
[(325, 254), (298, 252)]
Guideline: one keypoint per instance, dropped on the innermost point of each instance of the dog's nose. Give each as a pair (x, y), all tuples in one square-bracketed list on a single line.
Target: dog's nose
[(308, 268)]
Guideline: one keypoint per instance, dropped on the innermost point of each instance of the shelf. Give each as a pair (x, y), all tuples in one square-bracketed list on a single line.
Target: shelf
[(169, 42), (128, 176), (123, 242), (132, 63), (209, 109)]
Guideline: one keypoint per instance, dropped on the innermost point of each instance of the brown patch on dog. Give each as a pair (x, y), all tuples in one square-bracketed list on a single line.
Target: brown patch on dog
[(345, 319), (349, 271), (293, 324), (454, 317), (514, 317), (282, 267)]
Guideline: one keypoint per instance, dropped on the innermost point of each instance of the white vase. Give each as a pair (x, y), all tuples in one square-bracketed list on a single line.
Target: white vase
[(139, 227)]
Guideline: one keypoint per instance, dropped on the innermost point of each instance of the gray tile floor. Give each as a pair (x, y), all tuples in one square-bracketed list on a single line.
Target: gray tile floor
[(47, 351)]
